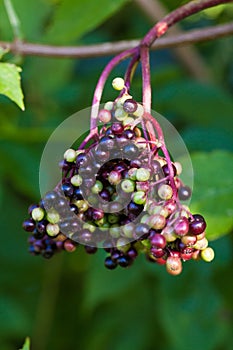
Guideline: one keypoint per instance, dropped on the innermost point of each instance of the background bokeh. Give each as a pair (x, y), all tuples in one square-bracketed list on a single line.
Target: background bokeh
[(71, 301)]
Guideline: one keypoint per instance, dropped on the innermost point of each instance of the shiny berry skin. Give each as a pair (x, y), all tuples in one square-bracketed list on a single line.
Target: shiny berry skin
[(110, 264), (166, 170), (124, 261), (29, 225), (158, 241), (197, 225), (67, 188), (130, 106), (81, 160), (157, 252), (181, 226), (184, 193), (173, 265), (117, 128)]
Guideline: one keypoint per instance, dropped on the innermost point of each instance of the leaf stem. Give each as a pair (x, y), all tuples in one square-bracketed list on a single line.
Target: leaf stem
[(14, 20)]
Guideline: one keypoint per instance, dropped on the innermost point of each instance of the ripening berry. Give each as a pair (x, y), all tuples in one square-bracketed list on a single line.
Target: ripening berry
[(173, 265), (109, 105), (104, 116), (118, 83), (201, 244), (139, 111), (207, 254), (165, 192)]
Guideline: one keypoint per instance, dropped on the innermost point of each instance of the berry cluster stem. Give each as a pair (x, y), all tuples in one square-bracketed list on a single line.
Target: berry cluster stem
[(141, 52)]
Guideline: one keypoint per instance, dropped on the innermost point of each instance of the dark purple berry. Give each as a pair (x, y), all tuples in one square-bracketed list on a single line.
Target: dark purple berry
[(184, 193), (197, 225), (117, 128), (124, 261), (81, 160), (90, 249), (109, 263), (166, 170), (130, 106), (67, 189), (29, 225)]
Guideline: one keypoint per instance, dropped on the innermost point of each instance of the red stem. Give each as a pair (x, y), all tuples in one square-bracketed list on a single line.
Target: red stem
[(146, 85), (101, 82), (177, 15)]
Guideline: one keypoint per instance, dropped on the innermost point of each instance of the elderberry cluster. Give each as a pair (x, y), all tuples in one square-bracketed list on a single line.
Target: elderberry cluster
[(122, 194)]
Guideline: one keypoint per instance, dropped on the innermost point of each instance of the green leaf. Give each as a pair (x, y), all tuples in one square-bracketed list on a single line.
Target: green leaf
[(213, 191), (74, 18), (197, 103), (10, 83), (26, 345), (21, 167)]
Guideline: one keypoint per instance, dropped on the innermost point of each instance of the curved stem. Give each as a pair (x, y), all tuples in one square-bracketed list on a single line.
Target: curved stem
[(100, 85), (177, 15), (146, 85), (161, 140), (131, 69)]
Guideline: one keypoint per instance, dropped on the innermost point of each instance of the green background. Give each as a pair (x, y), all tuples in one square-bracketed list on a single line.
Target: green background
[(71, 301)]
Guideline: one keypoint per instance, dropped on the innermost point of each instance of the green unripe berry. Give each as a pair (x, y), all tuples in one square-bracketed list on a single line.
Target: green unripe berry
[(123, 244), (165, 192), (128, 186), (201, 244), (89, 227), (207, 254), (70, 155), (118, 83), (139, 197), (53, 217), (112, 219), (157, 222), (142, 174), (132, 173), (139, 111), (128, 121), (120, 114), (128, 230), (146, 243), (52, 230), (109, 105), (169, 234), (115, 231), (37, 214), (76, 180), (98, 186), (145, 219)]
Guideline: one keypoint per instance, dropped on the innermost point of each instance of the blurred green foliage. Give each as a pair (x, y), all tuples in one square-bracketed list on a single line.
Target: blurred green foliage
[(72, 302)]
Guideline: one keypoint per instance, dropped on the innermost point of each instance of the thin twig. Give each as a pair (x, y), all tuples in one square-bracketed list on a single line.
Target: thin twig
[(105, 49), (176, 16), (188, 55)]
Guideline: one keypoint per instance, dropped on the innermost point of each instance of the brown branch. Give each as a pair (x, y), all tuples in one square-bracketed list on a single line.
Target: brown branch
[(105, 49)]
